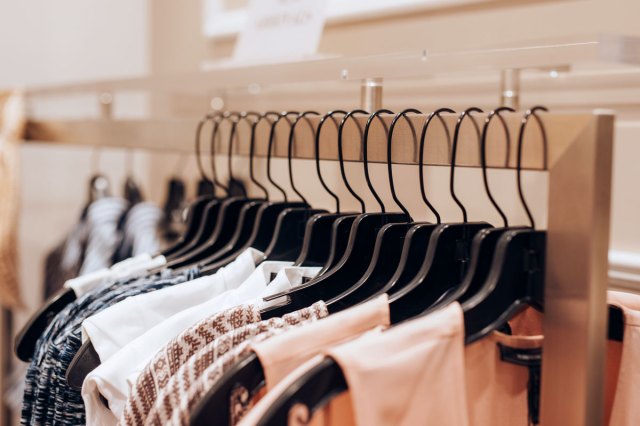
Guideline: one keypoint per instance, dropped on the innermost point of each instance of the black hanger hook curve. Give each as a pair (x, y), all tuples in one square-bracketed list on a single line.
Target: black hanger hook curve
[(402, 114), (423, 136), (523, 124), (454, 150), (483, 153)]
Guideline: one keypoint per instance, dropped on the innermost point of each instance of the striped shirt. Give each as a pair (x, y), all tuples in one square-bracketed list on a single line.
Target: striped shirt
[(103, 236)]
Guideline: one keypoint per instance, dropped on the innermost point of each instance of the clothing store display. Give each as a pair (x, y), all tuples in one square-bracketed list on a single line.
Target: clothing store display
[(110, 379), (267, 313), (12, 124)]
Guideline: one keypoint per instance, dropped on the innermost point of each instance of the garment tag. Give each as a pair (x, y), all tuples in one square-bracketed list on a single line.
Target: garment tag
[(532, 359), (281, 29)]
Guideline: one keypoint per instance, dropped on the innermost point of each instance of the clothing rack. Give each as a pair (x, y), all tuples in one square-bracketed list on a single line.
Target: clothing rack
[(579, 166)]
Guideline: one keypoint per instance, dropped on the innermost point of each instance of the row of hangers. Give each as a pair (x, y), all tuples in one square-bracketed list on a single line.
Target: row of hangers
[(492, 271)]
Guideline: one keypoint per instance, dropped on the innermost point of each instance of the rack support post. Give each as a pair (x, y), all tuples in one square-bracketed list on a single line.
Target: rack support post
[(371, 94), (510, 88), (575, 317)]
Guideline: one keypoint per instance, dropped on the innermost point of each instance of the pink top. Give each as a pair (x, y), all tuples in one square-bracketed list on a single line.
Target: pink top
[(421, 372), (622, 384), (305, 342)]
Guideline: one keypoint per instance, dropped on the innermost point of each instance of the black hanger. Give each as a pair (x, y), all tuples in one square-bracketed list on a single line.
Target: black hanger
[(416, 240), (199, 212), (356, 258), (484, 243), (317, 248), (219, 227), (516, 277), (205, 188), (249, 212), (390, 239), (238, 215), (132, 192), (267, 215), (447, 257), (288, 237), (615, 324), (173, 207)]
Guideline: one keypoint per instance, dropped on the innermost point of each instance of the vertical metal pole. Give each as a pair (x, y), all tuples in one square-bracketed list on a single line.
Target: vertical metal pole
[(371, 94), (106, 105), (510, 88)]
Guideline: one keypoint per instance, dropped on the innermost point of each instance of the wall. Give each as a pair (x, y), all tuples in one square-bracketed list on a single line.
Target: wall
[(67, 40)]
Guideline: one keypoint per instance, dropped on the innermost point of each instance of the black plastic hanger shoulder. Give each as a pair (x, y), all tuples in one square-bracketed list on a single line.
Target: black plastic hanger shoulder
[(443, 268), (340, 232), (84, 362), (246, 374), (615, 328), (313, 389), (384, 262), (195, 214), (349, 270), (516, 279), (414, 251), (25, 341)]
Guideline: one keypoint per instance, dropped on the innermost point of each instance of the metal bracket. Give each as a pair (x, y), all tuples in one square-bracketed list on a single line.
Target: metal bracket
[(510, 88), (371, 94)]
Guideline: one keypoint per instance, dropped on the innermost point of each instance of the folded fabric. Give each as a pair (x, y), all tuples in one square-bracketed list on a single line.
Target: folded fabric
[(113, 328)]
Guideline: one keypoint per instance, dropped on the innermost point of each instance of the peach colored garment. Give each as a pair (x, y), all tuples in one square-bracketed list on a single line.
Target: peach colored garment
[(433, 377), (497, 390), (410, 374), (305, 342), (622, 384)]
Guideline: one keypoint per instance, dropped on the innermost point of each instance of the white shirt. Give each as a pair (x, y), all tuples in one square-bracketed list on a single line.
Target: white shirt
[(113, 328), (111, 378), (128, 268)]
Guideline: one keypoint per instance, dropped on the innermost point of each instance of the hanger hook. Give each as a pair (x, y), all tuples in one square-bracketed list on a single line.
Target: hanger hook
[(365, 152), (272, 134), (254, 127), (523, 124), (423, 135), (301, 116), (246, 117), (198, 150), (483, 152), (402, 114), (454, 150), (349, 115), (324, 118), (217, 121)]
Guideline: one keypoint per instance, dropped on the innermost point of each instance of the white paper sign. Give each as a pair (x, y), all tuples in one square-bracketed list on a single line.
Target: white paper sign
[(281, 29)]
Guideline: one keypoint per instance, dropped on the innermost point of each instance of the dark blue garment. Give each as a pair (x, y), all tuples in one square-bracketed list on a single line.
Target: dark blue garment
[(48, 399)]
